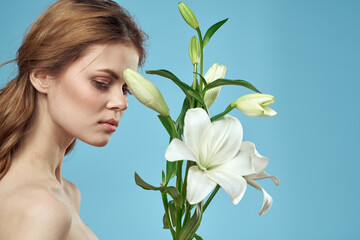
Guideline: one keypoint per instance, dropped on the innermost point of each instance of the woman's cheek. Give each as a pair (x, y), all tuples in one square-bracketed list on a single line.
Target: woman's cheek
[(89, 99)]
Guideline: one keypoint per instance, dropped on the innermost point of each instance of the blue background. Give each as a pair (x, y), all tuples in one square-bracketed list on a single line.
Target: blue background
[(305, 53)]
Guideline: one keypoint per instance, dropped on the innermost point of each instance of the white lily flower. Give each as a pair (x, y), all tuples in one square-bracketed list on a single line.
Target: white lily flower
[(259, 163), (215, 72), (255, 105), (146, 92), (215, 149)]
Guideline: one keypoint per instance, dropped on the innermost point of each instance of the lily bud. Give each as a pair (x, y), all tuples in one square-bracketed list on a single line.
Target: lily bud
[(146, 92), (215, 72), (255, 105), (188, 15), (194, 50)]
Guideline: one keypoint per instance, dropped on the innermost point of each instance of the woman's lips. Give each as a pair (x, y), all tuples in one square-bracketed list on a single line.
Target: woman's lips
[(110, 125)]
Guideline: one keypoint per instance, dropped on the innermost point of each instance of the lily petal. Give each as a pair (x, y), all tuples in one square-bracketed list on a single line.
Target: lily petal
[(263, 175), (198, 186), (211, 96), (241, 164), (195, 123), (268, 112), (221, 142), (260, 99), (258, 161), (251, 109), (215, 72), (232, 182), (178, 150), (267, 199)]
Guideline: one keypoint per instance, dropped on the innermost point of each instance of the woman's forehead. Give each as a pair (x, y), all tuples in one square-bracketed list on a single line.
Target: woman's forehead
[(114, 57)]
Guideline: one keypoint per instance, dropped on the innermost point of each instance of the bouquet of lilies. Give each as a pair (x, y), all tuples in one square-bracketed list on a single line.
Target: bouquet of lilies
[(211, 147)]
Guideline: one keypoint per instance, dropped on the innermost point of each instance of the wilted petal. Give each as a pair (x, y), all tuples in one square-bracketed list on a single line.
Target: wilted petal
[(195, 123), (178, 150), (267, 200), (221, 142), (258, 161), (233, 183), (198, 185)]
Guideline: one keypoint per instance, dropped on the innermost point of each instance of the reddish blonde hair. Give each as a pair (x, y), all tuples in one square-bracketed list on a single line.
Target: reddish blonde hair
[(59, 37)]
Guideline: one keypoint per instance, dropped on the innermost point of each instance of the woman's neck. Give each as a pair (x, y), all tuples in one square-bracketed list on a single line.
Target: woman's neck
[(42, 150)]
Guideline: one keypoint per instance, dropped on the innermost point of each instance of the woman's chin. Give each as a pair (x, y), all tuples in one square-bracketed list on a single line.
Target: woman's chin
[(97, 142)]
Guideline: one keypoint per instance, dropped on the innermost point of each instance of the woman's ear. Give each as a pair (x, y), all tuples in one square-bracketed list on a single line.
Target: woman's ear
[(40, 80)]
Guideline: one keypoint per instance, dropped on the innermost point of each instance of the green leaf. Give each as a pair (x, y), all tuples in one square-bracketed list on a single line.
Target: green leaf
[(171, 168), (165, 222), (163, 179), (188, 231), (191, 93), (210, 32), (202, 79), (222, 81), (144, 184), (176, 196), (197, 237), (220, 115), (180, 121), (167, 125), (172, 213)]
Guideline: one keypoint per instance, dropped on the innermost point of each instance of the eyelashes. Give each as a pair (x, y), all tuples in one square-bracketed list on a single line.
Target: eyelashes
[(103, 86), (126, 90)]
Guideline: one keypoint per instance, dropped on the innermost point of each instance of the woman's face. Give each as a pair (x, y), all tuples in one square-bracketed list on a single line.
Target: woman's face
[(89, 98)]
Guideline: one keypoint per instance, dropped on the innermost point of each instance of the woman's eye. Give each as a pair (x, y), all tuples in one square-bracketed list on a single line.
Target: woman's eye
[(101, 85), (126, 90)]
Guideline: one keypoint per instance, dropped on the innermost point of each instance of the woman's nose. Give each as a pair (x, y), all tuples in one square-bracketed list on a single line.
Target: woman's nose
[(117, 101)]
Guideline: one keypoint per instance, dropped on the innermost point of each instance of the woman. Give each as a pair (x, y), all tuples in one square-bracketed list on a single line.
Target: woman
[(69, 86)]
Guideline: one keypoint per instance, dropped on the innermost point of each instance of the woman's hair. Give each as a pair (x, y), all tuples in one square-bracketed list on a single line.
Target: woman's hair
[(59, 37)]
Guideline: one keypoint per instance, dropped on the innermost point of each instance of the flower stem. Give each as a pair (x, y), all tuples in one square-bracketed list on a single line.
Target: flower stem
[(187, 213), (183, 193), (178, 186), (178, 180), (173, 128), (201, 52), (201, 85), (220, 115), (195, 77), (166, 207), (211, 197), (194, 84)]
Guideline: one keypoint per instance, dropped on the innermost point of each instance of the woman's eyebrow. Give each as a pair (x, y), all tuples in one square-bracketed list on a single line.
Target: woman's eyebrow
[(110, 72)]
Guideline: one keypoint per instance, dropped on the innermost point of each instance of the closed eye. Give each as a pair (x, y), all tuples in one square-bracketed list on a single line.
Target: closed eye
[(101, 85)]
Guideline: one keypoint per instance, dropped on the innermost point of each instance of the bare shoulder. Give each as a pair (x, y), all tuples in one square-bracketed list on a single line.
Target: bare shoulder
[(38, 212), (73, 193)]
